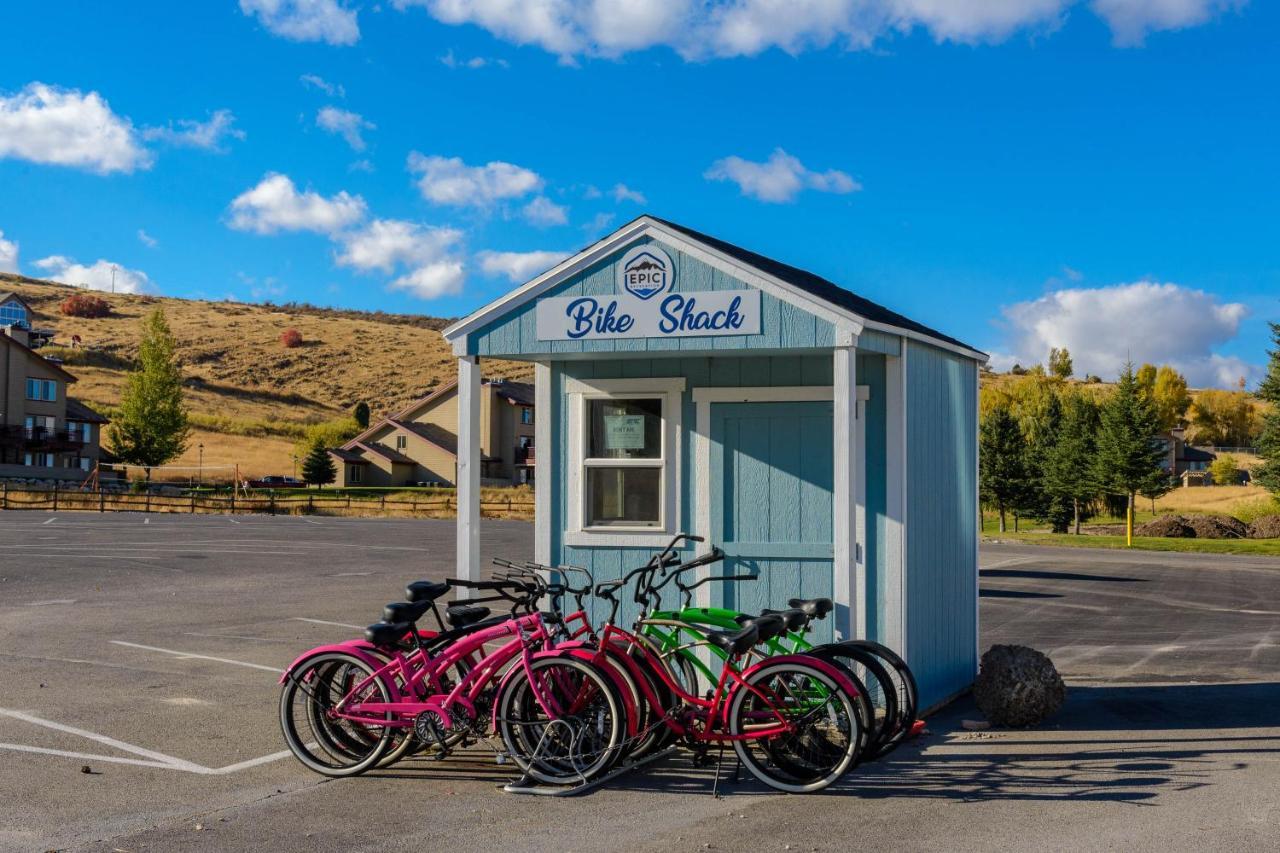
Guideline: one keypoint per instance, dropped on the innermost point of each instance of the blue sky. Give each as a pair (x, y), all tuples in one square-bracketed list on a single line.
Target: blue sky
[(1019, 174)]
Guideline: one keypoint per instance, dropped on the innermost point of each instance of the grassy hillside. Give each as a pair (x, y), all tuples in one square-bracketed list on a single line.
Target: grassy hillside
[(238, 371)]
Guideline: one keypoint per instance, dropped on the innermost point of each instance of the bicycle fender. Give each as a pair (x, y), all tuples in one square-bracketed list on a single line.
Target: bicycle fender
[(822, 666), (347, 648), (510, 674)]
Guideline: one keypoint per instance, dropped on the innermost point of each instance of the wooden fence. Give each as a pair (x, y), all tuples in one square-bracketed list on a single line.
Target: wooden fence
[(269, 503)]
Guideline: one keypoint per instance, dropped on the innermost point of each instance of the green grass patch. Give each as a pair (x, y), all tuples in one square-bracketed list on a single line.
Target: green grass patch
[(1257, 547)]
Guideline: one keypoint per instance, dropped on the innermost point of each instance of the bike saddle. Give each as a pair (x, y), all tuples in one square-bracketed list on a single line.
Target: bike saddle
[(767, 625), (386, 633), (424, 591), (460, 615), (793, 619), (405, 611), (734, 642), (816, 608)]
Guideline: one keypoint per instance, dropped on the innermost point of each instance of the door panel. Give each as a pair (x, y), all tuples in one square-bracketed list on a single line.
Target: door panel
[(771, 501)]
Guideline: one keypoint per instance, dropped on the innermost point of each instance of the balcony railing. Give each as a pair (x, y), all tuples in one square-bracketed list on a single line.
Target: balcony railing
[(40, 437), (524, 455)]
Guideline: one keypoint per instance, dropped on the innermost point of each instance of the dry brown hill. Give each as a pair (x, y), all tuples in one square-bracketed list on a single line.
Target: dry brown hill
[(237, 369)]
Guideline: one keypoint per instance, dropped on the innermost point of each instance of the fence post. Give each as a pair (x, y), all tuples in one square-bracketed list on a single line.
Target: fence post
[(382, 502), (55, 495), (413, 500), (311, 503), (271, 503), (233, 500), (102, 499), (193, 503), (147, 504), (4, 497)]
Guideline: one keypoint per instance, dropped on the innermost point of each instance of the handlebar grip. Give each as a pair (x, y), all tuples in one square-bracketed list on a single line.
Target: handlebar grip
[(692, 538)]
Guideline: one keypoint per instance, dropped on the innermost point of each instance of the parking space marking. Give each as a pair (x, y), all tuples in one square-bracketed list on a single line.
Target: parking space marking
[(147, 757), (327, 622), (47, 602), (193, 655), (50, 521)]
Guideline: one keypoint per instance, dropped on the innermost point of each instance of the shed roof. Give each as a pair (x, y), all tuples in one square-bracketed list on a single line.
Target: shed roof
[(77, 411), (348, 456)]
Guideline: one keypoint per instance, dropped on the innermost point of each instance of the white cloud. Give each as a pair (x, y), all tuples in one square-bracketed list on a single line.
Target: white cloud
[(1132, 20), (699, 29), (65, 127), (1143, 321), (346, 124), (433, 280), (147, 240), (276, 205), (8, 254), (542, 212), (96, 277), (450, 60), (598, 224), (519, 267), (448, 180), (361, 166), (780, 178), (208, 135), (315, 81), (384, 244), (306, 20), (621, 193)]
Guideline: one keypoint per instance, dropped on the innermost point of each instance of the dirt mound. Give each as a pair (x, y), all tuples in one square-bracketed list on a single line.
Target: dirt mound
[(1166, 525), (1217, 527), (1265, 527)]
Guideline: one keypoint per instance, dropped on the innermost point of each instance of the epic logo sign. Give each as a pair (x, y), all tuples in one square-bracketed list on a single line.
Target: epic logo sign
[(646, 271)]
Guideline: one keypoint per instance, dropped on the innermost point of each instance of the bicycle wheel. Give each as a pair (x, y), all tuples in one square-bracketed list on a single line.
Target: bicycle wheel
[(324, 742), (823, 740), (405, 742), (578, 734), (879, 697), (904, 685)]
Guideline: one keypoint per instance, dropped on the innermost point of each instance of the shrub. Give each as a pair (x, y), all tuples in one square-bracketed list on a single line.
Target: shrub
[(291, 338), (1225, 470), (84, 305)]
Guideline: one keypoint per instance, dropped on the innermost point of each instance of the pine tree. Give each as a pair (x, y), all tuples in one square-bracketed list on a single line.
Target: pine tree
[(1001, 461), (1038, 500), (318, 468), (1069, 475), (361, 414), (1128, 459), (150, 427), (1268, 473)]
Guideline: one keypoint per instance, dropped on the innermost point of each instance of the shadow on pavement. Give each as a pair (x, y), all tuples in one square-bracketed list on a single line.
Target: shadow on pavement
[(1034, 574)]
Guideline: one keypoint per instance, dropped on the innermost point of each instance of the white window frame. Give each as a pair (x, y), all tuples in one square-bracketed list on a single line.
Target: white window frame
[(578, 393)]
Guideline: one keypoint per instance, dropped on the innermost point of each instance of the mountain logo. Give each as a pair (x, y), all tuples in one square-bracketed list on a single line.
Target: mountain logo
[(646, 271)]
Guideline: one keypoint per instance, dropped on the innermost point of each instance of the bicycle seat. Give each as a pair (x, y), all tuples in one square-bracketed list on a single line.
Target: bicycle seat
[(816, 608), (793, 619), (461, 615), (386, 633), (425, 591), (405, 611), (767, 625), (734, 642)]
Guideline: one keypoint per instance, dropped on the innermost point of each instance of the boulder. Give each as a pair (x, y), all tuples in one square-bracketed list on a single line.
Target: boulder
[(1018, 686), (1217, 527), (1166, 525), (1265, 527)]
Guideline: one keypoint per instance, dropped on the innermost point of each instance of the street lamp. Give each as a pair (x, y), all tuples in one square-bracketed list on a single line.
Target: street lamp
[(200, 465), (295, 467)]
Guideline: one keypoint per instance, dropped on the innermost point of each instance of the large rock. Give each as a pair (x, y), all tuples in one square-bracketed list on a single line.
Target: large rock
[(1018, 686), (1265, 527)]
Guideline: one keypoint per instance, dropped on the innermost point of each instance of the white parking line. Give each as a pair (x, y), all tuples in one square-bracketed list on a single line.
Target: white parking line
[(51, 521), (97, 738), (194, 655), (51, 601), (327, 622)]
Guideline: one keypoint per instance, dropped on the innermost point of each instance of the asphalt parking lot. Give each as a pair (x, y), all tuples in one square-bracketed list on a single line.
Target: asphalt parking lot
[(147, 649)]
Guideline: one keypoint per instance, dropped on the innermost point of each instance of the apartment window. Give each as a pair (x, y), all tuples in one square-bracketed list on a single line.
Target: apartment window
[(402, 442), (83, 463), (38, 460), (526, 415), (13, 314), (353, 473), (42, 389)]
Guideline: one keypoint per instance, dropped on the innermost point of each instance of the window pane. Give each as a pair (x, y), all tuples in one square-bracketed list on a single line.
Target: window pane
[(625, 429), (624, 497)]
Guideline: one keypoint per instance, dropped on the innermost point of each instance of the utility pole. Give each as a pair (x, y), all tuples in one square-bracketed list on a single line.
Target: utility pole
[(113, 278), (200, 464)]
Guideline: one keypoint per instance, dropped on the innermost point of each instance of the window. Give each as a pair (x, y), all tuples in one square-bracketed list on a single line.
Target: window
[(82, 462), (526, 415), (13, 314), (401, 442), (353, 473), (623, 443), (42, 389), (39, 460)]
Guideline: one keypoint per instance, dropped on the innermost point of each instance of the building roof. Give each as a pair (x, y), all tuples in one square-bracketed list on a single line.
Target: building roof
[(52, 365), (816, 285), (77, 411), (792, 283), (434, 433), (520, 393), (1195, 454), (9, 294), (393, 456), (348, 456)]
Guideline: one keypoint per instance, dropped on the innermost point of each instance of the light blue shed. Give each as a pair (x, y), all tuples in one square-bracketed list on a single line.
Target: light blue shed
[(828, 444)]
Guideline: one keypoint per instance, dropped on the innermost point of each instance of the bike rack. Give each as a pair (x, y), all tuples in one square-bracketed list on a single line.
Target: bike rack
[(525, 785)]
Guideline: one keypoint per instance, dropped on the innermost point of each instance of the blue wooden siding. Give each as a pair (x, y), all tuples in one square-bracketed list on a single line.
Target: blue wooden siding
[(884, 343), (783, 325), (609, 562), (941, 581)]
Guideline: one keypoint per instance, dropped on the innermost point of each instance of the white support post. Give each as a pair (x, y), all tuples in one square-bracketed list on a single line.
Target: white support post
[(895, 466), (542, 454), (848, 598), (468, 481)]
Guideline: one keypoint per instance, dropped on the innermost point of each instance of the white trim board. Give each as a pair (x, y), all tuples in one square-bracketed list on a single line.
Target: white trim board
[(703, 398), (848, 324)]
